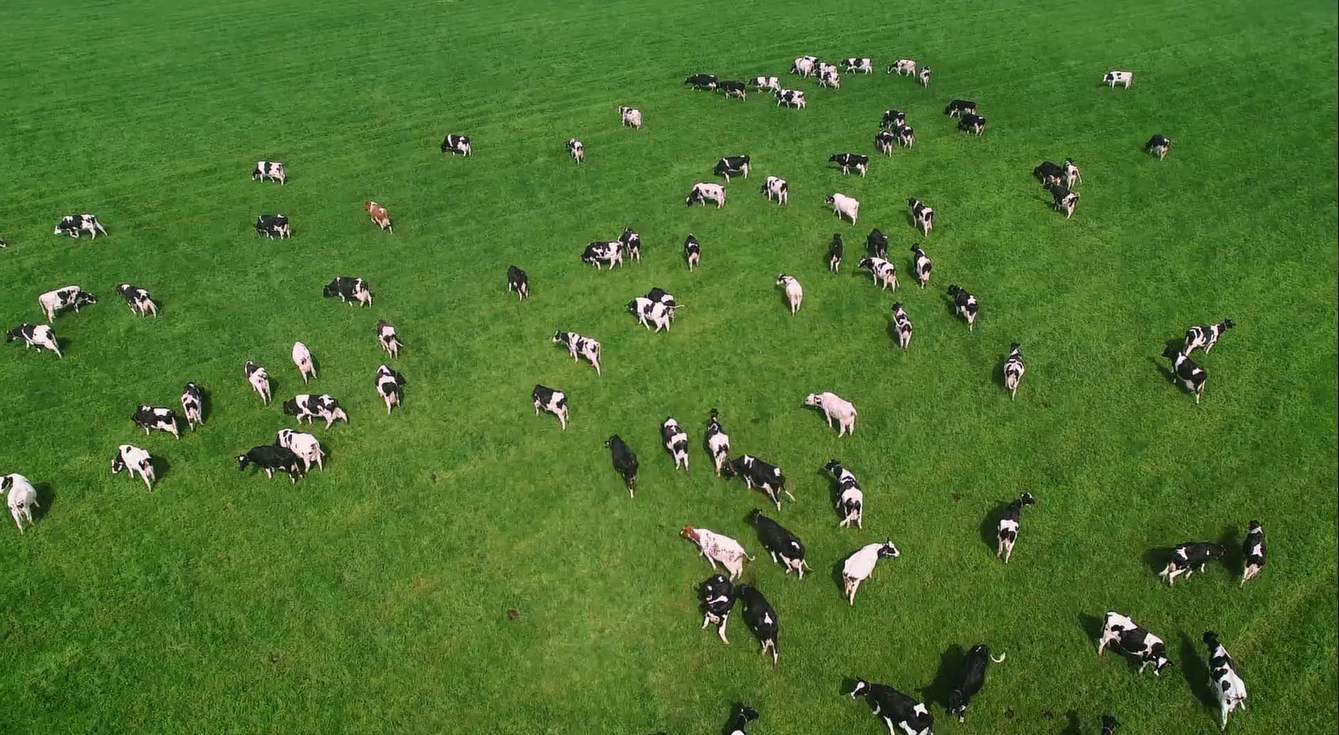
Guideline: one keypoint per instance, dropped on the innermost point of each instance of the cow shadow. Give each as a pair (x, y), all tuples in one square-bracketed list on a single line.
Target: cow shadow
[(162, 467), (998, 376), (46, 498), (990, 525), (1195, 669), (834, 490), (1074, 727), (945, 681), (838, 578), (1092, 627), (1234, 561), (1157, 557), (206, 404)]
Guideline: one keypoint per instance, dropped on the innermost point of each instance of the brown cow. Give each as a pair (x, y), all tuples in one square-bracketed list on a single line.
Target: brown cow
[(379, 215)]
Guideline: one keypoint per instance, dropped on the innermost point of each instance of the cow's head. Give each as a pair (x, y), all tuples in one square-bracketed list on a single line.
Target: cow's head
[(15, 333), (1211, 639), (118, 463), (860, 689), (957, 705), (889, 551), (1157, 653), (689, 532)]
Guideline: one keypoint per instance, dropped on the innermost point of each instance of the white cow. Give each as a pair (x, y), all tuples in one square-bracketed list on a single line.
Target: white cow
[(794, 294), (903, 67), (259, 380), (390, 341), (134, 460), (704, 192), (834, 407), (576, 150), (632, 118), (1112, 78), (844, 207), (63, 298), (718, 548), (804, 66), (22, 498), (302, 357), (768, 83), (304, 445), (860, 565)]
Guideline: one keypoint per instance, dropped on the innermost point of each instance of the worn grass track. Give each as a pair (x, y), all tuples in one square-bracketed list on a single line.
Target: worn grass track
[(372, 597)]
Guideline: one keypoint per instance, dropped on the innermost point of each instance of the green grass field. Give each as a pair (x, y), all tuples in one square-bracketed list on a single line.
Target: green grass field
[(373, 596)]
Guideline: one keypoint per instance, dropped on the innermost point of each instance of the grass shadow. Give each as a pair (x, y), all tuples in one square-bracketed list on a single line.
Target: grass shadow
[(950, 664), (990, 525)]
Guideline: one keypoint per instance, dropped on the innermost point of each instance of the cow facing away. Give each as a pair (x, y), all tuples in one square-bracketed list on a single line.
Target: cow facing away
[(1228, 687), (835, 251), (518, 281), (692, 251), (139, 300), (676, 442), (921, 265), (1013, 370), (577, 150), (1252, 553), (718, 598), (902, 325), (192, 405), (784, 547), (349, 290), (776, 190), (1158, 146), (273, 225), (760, 618), (390, 386), (625, 462), (717, 441), (1184, 371), (964, 304), (388, 339), (162, 419), (551, 401), (302, 358), (922, 215), (850, 498), (259, 380), (632, 117), (379, 215), (1006, 530)]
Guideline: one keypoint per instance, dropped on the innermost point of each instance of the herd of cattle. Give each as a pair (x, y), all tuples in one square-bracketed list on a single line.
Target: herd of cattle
[(293, 452)]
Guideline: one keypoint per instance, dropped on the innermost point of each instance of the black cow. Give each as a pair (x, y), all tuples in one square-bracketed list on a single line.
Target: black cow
[(1048, 173), (1253, 553), (692, 251), (457, 144), (272, 226), (877, 244), (1184, 369), (733, 166), (740, 716), (1109, 725), (718, 599), (971, 678), (898, 711), (893, 118), (518, 281), (1158, 146), (835, 249), (785, 547), (625, 462), (1006, 531), (849, 161), (964, 304), (632, 244), (702, 81), (272, 459), (972, 123), (732, 89), (1190, 558), (760, 617), (1063, 200), (150, 418), (759, 474), (958, 107), (884, 140)]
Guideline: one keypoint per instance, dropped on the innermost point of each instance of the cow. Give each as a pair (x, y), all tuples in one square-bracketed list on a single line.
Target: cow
[(784, 547), (388, 339), (676, 442), (271, 458), (733, 89), (1013, 370), (776, 189), (790, 98), (964, 304), (893, 118), (1048, 173), (631, 117), (844, 207), (834, 407), (794, 293), (906, 136), (702, 81), (921, 215), (22, 499), (3, 244), (610, 252), (1189, 558), (1109, 725), (454, 144), (769, 83), (139, 300), (390, 386), (718, 548), (74, 224), (551, 401), (692, 251), (1072, 173), (518, 281), (1252, 553), (850, 498), (760, 618), (828, 77), (193, 405), (759, 474), (804, 65), (579, 347), (733, 166), (1158, 145), (858, 65), (1185, 371), (150, 418), (971, 677), (64, 298), (882, 271), (903, 67), (971, 123), (1227, 685), (1205, 337), (349, 290), (134, 461), (835, 249), (924, 76), (884, 140), (921, 265), (576, 150), (259, 380), (379, 215), (39, 336), (302, 358), (305, 446), (740, 716), (902, 324), (717, 441), (269, 171), (659, 296), (1112, 78), (273, 225), (625, 462), (310, 407), (1006, 530), (651, 313), (704, 192), (718, 599), (902, 714), (1063, 200), (1133, 640), (959, 107), (631, 243), (848, 161), (860, 565)]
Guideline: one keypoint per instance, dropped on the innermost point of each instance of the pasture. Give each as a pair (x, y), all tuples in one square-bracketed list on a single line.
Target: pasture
[(374, 596)]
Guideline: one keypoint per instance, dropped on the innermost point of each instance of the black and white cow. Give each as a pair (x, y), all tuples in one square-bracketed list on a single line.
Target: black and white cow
[(1072, 173), (835, 249), (1252, 553), (759, 474), (902, 325), (273, 225), (1227, 685), (790, 98), (676, 442), (3, 244), (1133, 641), (964, 304), (305, 446), (903, 67), (272, 458), (162, 419), (921, 265), (348, 290), (1158, 145), (1189, 558), (702, 81), (1184, 370), (134, 461), (579, 347), (457, 144), (718, 599), (893, 118), (625, 462), (828, 76), (632, 244), (850, 498), (804, 65), (740, 717), (718, 442), (660, 296), (610, 252), (1112, 78), (576, 149), (631, 117), (1006, 530), (139, 300), (310, 407), (518, 281), (64, 298), (1205, 337), (906, 136), (269, 171), (733, 166), (1063, 200), (924, 76), (858, 65), (776, 189), (884, 141), (785, 547), (732, 89), (692, 251), (922, 215), (651, 313), (259, 380), (760, 617), (390, 386), (704, 192), (21, 498), (882, 271), (877, 243), (193, 405), (971, 677), (848, 161), (1048, 173), (552, 401), (769, 83), (902, 714), (1013, 370), (74, 224), (958, 107), (972, 123), (39, 336)]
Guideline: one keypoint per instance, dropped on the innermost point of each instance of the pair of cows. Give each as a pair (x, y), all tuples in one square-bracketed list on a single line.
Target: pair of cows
[(1185, 370)]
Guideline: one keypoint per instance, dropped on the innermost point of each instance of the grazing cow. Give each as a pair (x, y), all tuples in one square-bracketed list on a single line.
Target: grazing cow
[(1063, 199), (835, 249), (518, 281), (1184, 370), (1158, 145), (388, 339), (733, 89), (576, 150), (271, 458), (1109, 725), (972, 123), (921, 265), (877, 243), (740, 716), (902, 714), (22, 498), (64, 298), (162, 419), (964, 304), (1190, 558), (785, 547), (1227, 685), (921, 215), (269, 171), (348, 290), (718, 599), (139, 300), (610, 251), (1013, 370), (552, 401), (632, 118), (625, 462), (971, 677), (759, 474), (134, 461), (1205, 337), (259, 380), (882, 271), (902, 323), (790, 98), (651, 313), (379, 215), (718, 548), (702, 81), (302, 357), (884, 140), (579, 347), (794, 294), (834, 407), (193, 405), (804, 65), (860, 565), (1112, 78), (893, 119), (309, 407), (305, 446), (850, 498), (74, 224), (659, 296), (3, 244), (844, 207), (828, 77), (760, 618), (631, 243), (924, 76), (676, 442), (35, 335), (903, 67), (776, 189), (457, 144), (1048, 173), (390, 386), (692, 251), (1133, 641), (1006, 531), (1072, 173), (959, 107), (718, 442), (704, 192), (858, 65), (848, 161), (906, 136), (1253, 553), (273, 225), (769, 83), (733, 166)]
